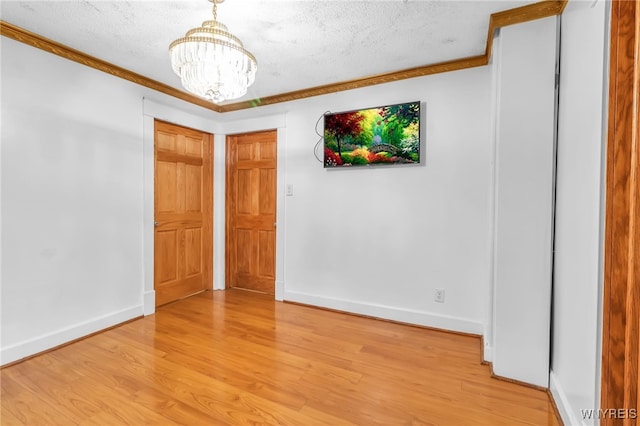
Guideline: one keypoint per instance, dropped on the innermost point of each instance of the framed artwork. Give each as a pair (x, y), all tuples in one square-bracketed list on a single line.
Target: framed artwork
[(385, 135)]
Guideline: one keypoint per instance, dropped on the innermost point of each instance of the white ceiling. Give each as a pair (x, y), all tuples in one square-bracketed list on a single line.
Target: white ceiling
[(298, 43)]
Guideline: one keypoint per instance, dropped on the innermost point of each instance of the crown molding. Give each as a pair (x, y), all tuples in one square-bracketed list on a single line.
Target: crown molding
[(497, 20), (458, 64), (542, 9), (43, 43)]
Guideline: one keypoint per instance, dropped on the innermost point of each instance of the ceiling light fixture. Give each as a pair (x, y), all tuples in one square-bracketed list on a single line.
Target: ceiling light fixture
[(213, 63)]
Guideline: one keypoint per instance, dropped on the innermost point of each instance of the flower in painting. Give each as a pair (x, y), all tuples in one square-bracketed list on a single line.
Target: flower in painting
[(331, 159)]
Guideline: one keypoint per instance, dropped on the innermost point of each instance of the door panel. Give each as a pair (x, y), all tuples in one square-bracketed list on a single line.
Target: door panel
[(251, 211), (243, 251), (193, 251), (167, 255), (267, 260), (193, 188), (267, 181), (166, 199), (183, 212)]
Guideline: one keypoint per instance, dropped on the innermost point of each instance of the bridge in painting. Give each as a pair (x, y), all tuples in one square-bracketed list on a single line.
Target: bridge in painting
[(384, 147)]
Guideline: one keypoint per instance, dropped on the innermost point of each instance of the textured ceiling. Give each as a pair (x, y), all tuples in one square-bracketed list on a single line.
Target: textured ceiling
[(298, 44)]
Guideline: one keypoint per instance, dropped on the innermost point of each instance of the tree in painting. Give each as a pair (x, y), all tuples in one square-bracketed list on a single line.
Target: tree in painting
[(383, 135), (402, 126), (344, 125)]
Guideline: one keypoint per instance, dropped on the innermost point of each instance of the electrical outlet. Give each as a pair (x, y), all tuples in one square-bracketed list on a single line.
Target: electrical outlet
[(439, 295), (289, 190)]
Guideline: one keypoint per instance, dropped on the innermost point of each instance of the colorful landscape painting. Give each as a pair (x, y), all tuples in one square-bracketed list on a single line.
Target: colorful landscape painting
[(382, 135)]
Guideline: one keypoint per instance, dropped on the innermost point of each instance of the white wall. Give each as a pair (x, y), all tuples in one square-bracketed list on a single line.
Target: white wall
[(577, 288), (378, 241), (72, 199), (525, 61)]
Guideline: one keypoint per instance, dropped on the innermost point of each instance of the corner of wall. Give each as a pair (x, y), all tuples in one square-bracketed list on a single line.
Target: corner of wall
[(219, 210), (493, 219), (487, 349), (280, 291)]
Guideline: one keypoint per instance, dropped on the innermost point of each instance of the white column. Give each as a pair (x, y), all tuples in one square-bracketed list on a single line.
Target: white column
[(525, 165)]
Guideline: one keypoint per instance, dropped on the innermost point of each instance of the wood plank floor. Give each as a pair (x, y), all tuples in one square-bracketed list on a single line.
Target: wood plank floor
[(239, 358)]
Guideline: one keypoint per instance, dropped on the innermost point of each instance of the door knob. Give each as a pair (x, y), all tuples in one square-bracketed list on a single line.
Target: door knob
[(155, 224)]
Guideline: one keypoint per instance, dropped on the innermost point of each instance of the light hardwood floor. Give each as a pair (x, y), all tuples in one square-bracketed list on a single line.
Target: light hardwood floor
[(239, 358)]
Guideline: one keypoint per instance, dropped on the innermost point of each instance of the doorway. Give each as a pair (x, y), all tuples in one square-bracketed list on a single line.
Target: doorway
[(183, 209), (251, 211)]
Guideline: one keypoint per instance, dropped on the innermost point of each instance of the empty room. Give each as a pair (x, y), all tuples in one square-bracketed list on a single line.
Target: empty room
[(295, 212)]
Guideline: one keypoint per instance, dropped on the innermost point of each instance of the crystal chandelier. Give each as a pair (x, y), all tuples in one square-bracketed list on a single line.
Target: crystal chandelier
[(213, 63)]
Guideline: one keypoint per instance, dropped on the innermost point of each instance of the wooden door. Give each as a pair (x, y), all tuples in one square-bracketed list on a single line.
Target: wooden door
[(621, 300), (183, 212), (251, 211)]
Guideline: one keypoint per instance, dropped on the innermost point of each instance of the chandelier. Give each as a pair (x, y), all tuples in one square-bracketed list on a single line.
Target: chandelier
[(213, 63)]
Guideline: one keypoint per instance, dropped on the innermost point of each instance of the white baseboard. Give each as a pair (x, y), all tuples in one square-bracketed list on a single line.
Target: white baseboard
[(149, 302), (39, 344), (567, 413), (410, 316)]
